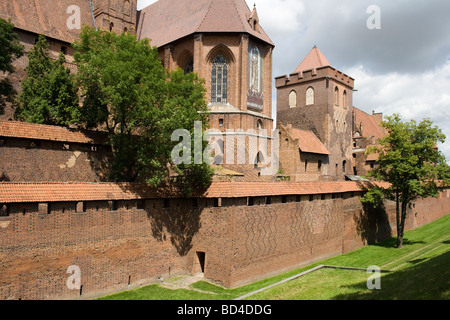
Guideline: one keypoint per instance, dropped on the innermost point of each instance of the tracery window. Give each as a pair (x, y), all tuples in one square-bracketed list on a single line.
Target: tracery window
[(219, 80)]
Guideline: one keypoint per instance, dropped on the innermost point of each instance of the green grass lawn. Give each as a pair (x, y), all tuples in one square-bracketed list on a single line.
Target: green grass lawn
[(420, 270)]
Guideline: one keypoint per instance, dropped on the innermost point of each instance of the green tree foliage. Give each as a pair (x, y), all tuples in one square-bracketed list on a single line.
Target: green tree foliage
[(10, 49), (49, 94), (410, 162), (126, 89)]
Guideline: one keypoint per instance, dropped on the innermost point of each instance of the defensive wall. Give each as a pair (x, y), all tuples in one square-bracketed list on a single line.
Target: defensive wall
[(122, 236)]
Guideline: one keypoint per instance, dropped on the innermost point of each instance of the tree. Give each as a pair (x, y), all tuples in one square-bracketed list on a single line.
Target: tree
[(10, 49), (126, 90), (49, 94), (410, 162)]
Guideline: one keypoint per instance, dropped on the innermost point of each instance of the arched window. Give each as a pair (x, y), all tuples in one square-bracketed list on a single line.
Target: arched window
[(344, 99), (293, 99), (189, 67), (309, 96), (259, 125), (344, 165), (111, 26), (259, 160), (336, 96), (127, 8), (219, 80)]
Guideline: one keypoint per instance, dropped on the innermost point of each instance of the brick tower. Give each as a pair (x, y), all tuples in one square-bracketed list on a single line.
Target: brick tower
[(115, 15), (319, 98), (223, 42)]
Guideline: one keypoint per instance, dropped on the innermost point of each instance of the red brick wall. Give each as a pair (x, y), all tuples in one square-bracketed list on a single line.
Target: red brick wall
[(136, 242), (25, 160)]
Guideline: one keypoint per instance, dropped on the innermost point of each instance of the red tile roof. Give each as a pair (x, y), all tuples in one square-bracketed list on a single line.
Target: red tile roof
[(33, 131), (315, 59), (168, 20), (70, 192), (47, 17), (308, 142), (366, 125)]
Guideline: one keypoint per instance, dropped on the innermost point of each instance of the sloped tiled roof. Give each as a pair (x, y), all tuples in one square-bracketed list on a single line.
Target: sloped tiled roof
[(16, 129), (47, 17), (71, 192), (366, 125), (308, 142), (168, 20), (315, 59)]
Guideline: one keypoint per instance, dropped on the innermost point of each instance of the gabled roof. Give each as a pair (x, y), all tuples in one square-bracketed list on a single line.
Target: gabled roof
[(308, 142), (47, 17), (168, 20), (315, 59)]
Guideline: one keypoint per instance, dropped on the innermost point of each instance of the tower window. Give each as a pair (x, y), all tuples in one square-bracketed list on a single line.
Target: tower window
[(336, 96), (344, 99), (310, 96), (293, 99), (219, 80)]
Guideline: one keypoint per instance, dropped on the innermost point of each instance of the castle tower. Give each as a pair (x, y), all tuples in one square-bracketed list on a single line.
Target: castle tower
[(319, 98), (115, 15), (223, 42)]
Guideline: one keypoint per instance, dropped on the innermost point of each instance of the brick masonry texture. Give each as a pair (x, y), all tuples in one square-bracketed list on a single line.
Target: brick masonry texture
[(125, 244)]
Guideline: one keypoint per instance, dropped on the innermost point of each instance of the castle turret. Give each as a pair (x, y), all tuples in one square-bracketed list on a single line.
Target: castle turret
[(319, 98)]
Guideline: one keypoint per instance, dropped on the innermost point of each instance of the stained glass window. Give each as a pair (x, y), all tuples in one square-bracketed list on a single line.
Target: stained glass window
[(219, 79), (189, 67)]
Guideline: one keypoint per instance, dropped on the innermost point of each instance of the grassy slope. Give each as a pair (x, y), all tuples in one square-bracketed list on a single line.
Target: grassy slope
[(421, 272)]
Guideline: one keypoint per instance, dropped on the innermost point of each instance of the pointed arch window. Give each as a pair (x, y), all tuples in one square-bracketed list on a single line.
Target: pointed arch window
[(189, 67), (310, 96), (219, 80)]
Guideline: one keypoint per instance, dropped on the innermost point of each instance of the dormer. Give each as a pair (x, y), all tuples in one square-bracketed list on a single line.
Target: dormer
[(253, 20)]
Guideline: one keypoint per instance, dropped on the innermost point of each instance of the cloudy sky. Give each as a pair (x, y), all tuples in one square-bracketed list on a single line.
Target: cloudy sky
[(403, 67)]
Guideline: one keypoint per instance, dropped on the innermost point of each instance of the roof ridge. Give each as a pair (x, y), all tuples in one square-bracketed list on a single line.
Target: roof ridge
[(206, 14), (239, 15)]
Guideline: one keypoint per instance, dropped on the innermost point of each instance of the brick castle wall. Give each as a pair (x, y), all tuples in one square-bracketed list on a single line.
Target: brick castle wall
[(124, 244)]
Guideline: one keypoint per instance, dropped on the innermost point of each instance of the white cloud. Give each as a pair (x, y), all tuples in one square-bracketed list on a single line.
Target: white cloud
[(279, 15), (413, 96), (141, 4)]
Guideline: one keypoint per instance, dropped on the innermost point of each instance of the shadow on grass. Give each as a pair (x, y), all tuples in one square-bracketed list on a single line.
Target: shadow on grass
[(392, 243), (429, 280)]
